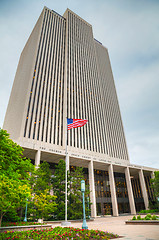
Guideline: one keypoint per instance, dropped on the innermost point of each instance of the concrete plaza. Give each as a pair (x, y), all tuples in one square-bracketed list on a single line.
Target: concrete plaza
[(117, 225)]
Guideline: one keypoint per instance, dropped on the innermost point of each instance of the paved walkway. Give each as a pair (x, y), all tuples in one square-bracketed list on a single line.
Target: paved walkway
[(117, 225)]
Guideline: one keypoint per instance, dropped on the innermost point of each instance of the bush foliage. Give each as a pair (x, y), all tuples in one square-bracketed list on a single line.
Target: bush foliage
[(147, 217), (149, 211)]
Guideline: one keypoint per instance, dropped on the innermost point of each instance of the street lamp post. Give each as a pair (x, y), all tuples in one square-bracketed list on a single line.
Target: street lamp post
[(88, 206), (84, 225), (25, 219)]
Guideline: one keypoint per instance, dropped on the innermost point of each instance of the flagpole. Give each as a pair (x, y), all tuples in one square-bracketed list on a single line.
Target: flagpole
[(67, 161), (66, 223), (66, 175)]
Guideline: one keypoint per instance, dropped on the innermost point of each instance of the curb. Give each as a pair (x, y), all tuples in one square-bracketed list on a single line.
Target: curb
[(142, 222)]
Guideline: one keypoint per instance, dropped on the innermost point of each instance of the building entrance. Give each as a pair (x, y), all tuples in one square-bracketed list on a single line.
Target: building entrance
[(123, 208), (104, 209)]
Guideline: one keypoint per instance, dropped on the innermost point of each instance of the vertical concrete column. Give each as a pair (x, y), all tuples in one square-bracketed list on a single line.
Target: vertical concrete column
[(92, 189), (130, 191), (143, 189), (37, 158), (113, 191)]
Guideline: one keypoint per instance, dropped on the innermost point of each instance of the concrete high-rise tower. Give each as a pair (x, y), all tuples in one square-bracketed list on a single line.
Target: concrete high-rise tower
[(64, 72)]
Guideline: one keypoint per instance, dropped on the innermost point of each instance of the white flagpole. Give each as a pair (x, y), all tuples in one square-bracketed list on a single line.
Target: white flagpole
[(66, 175), (67, 168), (66, 223)]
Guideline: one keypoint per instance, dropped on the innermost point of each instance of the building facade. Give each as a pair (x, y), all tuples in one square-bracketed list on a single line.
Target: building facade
[(64, 72)]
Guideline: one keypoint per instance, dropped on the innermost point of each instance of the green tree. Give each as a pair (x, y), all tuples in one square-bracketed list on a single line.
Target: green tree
[(42, 205), (45, 204), (15, 175), (12, 164), (74, 197), (75, 208), (41, 178), (59, 189), (155, 186), (13, 194), (155, 182)]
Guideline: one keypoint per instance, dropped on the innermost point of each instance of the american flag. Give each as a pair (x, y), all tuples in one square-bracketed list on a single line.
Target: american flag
[(74, 123)]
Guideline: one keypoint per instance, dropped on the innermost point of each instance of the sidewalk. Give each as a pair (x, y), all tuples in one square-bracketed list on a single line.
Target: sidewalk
[(117, 225)]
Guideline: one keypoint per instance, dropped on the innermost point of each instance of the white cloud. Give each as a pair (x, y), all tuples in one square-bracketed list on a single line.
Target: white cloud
[(143, 148), (139, 88)]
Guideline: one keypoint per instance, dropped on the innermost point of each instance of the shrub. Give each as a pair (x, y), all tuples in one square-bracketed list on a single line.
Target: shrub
[(143, 211), (134, 218), (154, 217), (148, 215), (139, 217), (149, 211), (147, 218)]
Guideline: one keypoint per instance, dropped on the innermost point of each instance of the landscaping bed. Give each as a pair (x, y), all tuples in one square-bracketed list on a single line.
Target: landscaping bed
[(142, 222), (147, 220), (25, 228), (8, 224), (57, 233), (72, 221)]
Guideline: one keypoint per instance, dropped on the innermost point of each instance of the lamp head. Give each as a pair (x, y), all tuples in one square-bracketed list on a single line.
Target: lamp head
[(82, 186)]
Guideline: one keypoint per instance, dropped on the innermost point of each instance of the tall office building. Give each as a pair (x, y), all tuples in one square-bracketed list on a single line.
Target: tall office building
[(64, 72)]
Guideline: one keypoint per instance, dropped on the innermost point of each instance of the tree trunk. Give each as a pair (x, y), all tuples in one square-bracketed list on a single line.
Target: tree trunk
[(21, 214), (1, 219)]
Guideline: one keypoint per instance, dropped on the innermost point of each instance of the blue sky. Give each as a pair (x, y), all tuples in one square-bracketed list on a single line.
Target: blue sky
[(130, 31)]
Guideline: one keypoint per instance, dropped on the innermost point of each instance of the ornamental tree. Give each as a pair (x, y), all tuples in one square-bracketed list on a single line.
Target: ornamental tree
[(155, 186), (74, 197), (41, 178), (45, 204), (12, 164), (75, 207), (59, 189), (155, 182), (13, 194), (15, 175), (42, 203)]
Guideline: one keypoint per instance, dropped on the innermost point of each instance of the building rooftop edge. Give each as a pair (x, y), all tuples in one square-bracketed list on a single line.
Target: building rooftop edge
[(77, 16), (68, 10), (53, 11)]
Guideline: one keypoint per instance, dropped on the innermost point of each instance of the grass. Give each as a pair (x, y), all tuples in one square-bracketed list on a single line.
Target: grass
[(57, 233)]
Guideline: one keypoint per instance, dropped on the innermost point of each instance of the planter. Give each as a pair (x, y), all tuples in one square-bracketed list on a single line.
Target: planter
[(155, 213), (74, 221), (142, 222), (25, 228)]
